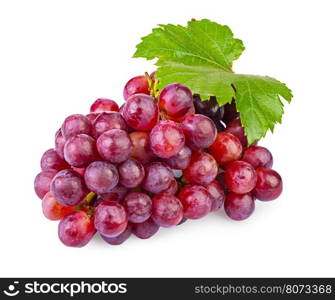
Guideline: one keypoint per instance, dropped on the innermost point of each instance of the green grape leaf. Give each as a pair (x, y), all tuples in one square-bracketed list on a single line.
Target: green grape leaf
[(200, 56)]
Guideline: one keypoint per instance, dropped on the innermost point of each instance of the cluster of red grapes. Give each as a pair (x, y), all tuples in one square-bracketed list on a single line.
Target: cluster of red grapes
[(156, 161)]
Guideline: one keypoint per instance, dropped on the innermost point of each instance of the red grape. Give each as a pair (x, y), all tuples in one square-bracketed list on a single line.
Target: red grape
[(158, 177), (146, 229), (80, 171), (59, 143), (52, 161), (141, 112), (166, 139), (68, 187), (114, 145), (239, 206), (131, 173), (258, 156), (52, 209), (269, 184), (101, 177), (202, 168), (76, 124), (42, 182), (226, 148), (118, 240), (92, 117), (141, 150), (138, 206), (217, 194), (110, 219), (136, 85), (240, 177), (106, 121), (172, 189), (196, 201), (167, 210), (76, 229), (181, 160), (117, 194), (235, 128), (103, 104), (80, 150)]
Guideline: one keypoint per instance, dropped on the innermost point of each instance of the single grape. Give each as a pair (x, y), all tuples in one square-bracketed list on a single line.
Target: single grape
[(167, 210), (52, 161), (175, 100), (239, 206), (258, 156), (80, 150), (230, 112), (141, 112), (235, 128), (202, 168), (226, 148), (138, 206), (76, 124), (158, 177), (42, 182), (76, 229), (209, 108), (166, 139), (106, 121), (68, 187), (141, 150), (181, 160), (117, 194), (217, 194), (114, 145), (118, 240), (131, 173), (59, 143), (172, 189), (240, 177), (199, 130), (103, 104), (52, 209), (269, 185), (146, 229), (196, 201), (110, 219), (101, 177), (136, 85)]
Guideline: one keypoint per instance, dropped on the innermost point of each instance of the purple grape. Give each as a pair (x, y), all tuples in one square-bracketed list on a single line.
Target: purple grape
[(217, 194), (76, 124), (117, 194), (258, 157), (146, 229), (118, 240), (138, 206), (131, 173), (42, 182), (52, 161), (181, 160), (59, 143), (239, 206), (269, 185), (106, 121)]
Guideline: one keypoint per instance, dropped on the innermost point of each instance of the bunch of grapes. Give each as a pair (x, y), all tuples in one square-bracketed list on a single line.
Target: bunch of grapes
[(160, 159)]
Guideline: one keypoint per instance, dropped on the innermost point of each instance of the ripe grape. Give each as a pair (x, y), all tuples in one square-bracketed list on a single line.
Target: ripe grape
[(146, 229), (117, 194), (52, 209), (239, 206), (230, 112), (92, 117), (175, 100), (196, 201), (141, 112), (166, 139), (59, 143), (235, 128), (103, 104), (240, 177), (80, 150), (101, 177), (42, 182), (258, 156), (199, 130), (118, 240), (110, 219), (106, 121), (217, 194), (181, 160), (269, 184), (191, 111), (131, 173), (209, 108), (226, 148), (138, 206), (76, 124), (76, 229), (114, 145), (52, 161), (158, 177), (136, 85), (172, 189), (141, 150), (68, 187), (167, 210), (202, 168)]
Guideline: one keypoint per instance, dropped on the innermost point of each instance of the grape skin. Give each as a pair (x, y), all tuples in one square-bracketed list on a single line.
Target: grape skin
[(235, 128), (181, 160), (136, 85), (269, 185), (146, 229), (106, 121), (42, 182), (131, 173), (141, 150), (217, 194), (52, 210), (59, 143), (239, 206), (258, 156), (117, 194), (138, 206), (103, 104), (122, 237), (52, 161), (76, 124)]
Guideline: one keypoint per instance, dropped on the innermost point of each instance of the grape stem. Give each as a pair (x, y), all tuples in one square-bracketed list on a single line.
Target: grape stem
[(89, 198)]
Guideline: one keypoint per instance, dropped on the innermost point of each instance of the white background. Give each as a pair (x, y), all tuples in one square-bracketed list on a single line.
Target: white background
[(56, 57)]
